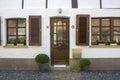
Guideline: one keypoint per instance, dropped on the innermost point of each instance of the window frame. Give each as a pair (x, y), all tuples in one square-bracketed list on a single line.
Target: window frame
[(111, 26), (16, 28)]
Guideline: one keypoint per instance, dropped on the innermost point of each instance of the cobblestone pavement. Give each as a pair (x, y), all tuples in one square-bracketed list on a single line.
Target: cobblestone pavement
[(59, 75)]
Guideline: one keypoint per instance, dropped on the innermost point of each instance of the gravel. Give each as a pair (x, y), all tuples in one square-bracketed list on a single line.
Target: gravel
[(58, 75)]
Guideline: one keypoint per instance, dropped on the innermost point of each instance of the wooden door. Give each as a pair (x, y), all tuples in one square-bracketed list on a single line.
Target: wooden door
[(59, 41)]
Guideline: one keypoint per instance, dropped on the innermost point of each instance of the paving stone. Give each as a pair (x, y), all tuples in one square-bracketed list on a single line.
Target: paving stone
[(59, 75)]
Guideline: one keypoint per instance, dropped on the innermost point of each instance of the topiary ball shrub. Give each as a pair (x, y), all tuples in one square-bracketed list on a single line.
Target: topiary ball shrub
[(42, 58), (84, 62)]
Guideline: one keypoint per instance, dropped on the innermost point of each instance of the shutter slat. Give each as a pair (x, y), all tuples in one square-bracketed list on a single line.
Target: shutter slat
[(34, 30)]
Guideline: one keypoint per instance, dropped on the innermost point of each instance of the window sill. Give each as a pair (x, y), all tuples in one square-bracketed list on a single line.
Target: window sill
[(105, 46), (17, 46)]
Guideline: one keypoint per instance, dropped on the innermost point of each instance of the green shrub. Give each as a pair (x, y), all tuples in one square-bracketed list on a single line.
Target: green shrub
[(42, 58), (84, 62), (75, 68)]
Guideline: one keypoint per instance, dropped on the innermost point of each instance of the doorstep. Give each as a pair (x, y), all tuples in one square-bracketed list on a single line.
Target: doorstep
[(60, 67)]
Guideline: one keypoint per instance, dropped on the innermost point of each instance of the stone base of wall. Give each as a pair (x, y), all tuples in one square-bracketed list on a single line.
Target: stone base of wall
[(105, 64), (30, 64), (18, 64)]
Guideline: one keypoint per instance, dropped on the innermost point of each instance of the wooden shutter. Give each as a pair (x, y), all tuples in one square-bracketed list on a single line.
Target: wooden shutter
[(0, 30), (82, 28), (46, 3), (35, 30), (74, 4)]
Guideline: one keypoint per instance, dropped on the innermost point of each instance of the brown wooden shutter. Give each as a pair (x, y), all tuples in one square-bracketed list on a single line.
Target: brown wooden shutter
[(0, 30), (82, 28), (46, 3), (35, 30), (74, 4)]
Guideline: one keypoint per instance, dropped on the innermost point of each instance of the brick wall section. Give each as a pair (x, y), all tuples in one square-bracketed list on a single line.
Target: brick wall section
[(18, 64), (105, 64), (30, 64)]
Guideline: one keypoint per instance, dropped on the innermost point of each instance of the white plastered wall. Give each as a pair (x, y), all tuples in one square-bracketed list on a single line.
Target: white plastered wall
[(30, 52), (8, 9)]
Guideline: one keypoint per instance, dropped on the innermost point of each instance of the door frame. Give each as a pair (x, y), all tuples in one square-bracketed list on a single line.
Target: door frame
[(60, 17)]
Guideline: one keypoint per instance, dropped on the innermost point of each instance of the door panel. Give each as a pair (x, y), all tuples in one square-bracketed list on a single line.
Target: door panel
[(59, 41)]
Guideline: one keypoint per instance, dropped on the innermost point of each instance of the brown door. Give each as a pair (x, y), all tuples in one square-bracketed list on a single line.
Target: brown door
[(59, 40)]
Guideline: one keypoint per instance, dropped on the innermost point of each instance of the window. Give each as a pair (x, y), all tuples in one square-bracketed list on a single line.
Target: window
[(105, 29), (16, 31)]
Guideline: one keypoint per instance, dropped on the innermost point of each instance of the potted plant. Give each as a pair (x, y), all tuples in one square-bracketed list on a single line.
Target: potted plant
[(118, 43), (75, 68), (107, 43), (84, 64), (43, 61), (15, 43), (10, 42), (101, 42), (20, 42)]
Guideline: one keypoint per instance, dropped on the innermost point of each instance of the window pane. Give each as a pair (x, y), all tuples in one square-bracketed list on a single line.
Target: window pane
[(11, 39), (11, 31), (117, 31), (21, 31), (116, 38), (116, 22), (116, 34), (105, 31), (94, 39), (21, 23), (95, 30), (11, 23), (21, 39), (105, 22), (95, 22), (105, 34)]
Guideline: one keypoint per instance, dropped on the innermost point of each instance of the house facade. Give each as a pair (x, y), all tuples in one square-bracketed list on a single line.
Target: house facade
[(65, 30)]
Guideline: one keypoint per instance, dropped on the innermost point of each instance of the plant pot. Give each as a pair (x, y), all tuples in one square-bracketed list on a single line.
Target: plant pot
[(85, 68), (102, 44), (44, 67), (113, 44)]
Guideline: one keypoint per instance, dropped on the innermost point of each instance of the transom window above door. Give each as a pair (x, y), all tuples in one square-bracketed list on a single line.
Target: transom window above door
[(105, 30), (16, 31)]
